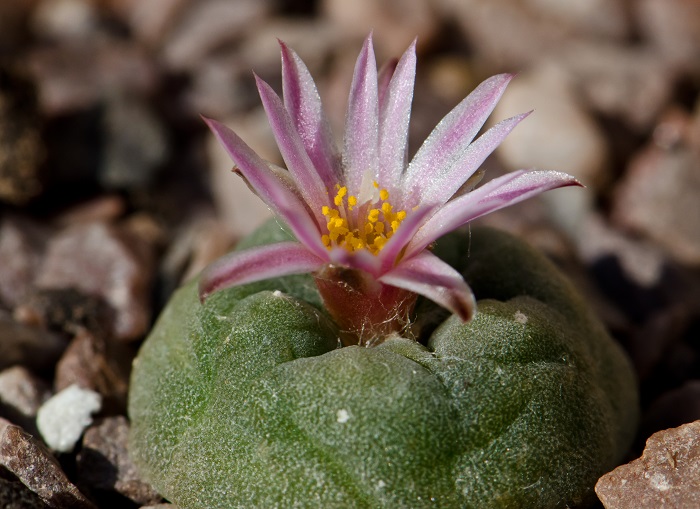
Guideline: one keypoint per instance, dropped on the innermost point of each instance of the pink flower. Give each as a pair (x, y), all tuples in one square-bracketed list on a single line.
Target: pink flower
[(364, 218)]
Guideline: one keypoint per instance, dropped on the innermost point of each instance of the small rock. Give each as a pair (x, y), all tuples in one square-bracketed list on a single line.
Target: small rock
[(666, 475), (106, 261), (198, 243), (395, 24), (94, 363), (21, 395), (642, 262), (135, 144), (63, 418), (66, 311), (658, 197), (517, 32), (37, 469), (65, 19), (33, 347), (104, 208), (673, 26), (222, 86), (633, 83), (104, 464), (558, 135), (210, 24), (261, 50), (21, 246), (77, 76), (15, 495), (149, 20)]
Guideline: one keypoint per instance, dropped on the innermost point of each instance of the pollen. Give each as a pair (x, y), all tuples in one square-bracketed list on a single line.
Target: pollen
[(360, 226)]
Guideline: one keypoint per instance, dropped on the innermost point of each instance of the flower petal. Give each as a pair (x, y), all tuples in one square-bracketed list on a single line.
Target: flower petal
[(394, 117), (302, 100), (428, 275), (500, 192), (443, 186), (273, 190), (256, 264), (360, 156), (309, 182), (384, 78), (408, 228), (451, 137), (363, 260)]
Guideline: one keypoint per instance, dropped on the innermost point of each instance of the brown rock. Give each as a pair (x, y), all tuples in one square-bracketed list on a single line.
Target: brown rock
[(658, 197), (33, 347), (674, 28), (517, 32), (135, 143), (666, 475), (106, 261), (65, 19), (21, 395), (76, 76), (37, 469), (210, 24), (395, 23), (65, 310), (15, 495), (559, 135), (200, 241), (633, 83), (92, 362), (149, 20), (21, 245), (106, 208), (104, 463)]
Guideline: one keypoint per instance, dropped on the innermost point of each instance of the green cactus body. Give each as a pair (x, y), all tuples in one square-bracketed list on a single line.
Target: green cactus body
[(249, 401)]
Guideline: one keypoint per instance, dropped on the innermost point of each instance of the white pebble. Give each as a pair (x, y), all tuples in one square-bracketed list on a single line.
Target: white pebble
[(62, 419)]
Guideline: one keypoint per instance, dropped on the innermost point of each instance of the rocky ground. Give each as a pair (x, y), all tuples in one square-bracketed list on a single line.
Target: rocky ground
[(112, 193)]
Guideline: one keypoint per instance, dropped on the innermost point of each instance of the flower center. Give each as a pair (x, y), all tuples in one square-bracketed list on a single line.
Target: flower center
[(365, 226)]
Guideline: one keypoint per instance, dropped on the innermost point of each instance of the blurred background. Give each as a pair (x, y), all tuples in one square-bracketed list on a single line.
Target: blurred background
[(112, 192)]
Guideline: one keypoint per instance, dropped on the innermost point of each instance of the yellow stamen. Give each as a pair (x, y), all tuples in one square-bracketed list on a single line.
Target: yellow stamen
[(369, 229)]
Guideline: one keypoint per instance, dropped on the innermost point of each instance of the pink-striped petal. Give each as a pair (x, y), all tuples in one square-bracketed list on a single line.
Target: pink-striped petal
[(428, 275), (362, 260), (256, 264), (303, 102), (451, 137), (447, 183), (360, 155), (394, 117), (498, 193), (309, 182), (273, 190), (408, 228), (384, 78)]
